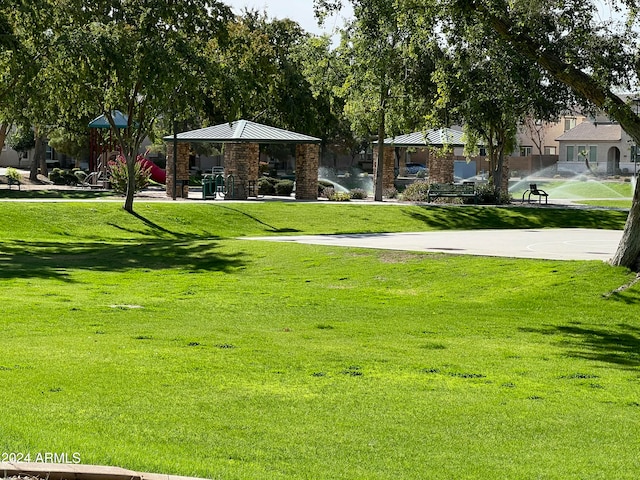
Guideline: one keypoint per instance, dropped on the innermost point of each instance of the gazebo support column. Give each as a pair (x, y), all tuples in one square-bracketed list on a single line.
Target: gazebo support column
[(388, 176), (307, 161), (241, 162), (441, 169), (182, 170)]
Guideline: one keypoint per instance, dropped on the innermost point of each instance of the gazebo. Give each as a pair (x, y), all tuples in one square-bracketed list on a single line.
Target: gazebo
[(242, 155), (436, 138)]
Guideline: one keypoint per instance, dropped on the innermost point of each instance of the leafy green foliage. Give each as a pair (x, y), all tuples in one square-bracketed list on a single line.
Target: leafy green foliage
[(14, 175), (284, 187), (416, 192), (119, 176), (358, 193), (22, 140)]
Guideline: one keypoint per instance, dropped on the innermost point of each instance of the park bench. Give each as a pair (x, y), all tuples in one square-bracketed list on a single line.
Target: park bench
[(534, 190), (12, 181), (461, 190)]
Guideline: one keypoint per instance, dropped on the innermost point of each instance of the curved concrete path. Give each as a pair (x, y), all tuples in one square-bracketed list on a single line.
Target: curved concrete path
[(551, 244)]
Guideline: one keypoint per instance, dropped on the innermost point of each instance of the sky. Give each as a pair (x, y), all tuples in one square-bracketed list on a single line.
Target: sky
[(299, 10)]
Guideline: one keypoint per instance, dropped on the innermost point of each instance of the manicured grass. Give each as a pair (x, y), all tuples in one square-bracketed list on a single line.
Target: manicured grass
[(163, 343), (626, 204), (579, 189)]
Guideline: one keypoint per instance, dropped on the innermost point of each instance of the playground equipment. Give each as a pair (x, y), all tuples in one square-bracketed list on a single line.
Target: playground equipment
[(215, 185), (104, 149)]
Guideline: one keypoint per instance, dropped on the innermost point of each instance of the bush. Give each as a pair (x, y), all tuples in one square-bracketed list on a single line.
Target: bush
[(334, 196), (80, 175), (284, 187), (416, 192), (358, 194), (487, 196), (63, 177), (14, 174), (120, 175), (390, 192), (322, 184), (266, 186)]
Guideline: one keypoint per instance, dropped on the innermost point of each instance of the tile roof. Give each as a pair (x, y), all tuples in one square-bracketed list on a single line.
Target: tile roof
[(243, 131), (590, 132)]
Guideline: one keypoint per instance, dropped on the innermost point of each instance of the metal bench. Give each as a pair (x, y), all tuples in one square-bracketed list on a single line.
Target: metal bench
[(13, 181), (462, 190), (534, 190)]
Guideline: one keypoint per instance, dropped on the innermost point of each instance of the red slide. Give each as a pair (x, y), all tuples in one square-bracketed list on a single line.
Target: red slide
[(157, 174)]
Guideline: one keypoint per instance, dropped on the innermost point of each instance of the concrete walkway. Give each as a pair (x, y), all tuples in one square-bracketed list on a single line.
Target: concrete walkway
[(551, 244)]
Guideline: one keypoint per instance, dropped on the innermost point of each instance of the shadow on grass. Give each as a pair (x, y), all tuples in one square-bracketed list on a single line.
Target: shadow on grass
[(618, 346), (270, 228), (467, 217), (62, 194), (53, 260)]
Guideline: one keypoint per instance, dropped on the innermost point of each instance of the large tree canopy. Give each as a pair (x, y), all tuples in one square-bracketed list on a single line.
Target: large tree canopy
[(567, 40), (144, 58)]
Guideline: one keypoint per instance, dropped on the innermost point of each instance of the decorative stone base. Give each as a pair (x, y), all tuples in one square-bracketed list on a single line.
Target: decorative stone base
[(241, 161), (441, 169), (182, 170), (307, 161)]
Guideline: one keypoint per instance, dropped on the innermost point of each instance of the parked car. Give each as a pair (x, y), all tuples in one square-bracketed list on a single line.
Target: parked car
[(414, 168)]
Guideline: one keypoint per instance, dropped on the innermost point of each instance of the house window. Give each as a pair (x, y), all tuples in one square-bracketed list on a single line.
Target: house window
[(571, 153), (582, 152), (593, 153), (483, 152), (550, 151), (569, 123), (525, 151)]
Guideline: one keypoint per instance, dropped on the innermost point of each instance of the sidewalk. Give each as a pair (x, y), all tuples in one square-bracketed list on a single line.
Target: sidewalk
[(549, 244)]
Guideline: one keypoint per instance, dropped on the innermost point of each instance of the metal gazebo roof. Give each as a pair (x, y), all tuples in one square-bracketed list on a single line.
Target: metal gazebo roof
[(120, 119), (242, 131), (442, 136)]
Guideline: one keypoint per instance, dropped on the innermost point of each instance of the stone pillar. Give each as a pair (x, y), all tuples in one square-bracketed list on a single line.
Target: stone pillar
[(241, 161), (182, 170), (441, 169), (307, 162), (388, 169)]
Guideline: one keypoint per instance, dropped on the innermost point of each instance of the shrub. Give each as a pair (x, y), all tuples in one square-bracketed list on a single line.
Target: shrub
[(266, 186), (416, 192), (14, 174), (358, 194), (284, 187), (80, 175), (322, 184), (487, 196), (120, 175), (334, 196), (390, 192), (63, 177)]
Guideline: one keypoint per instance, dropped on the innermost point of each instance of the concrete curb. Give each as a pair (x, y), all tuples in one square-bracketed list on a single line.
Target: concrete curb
[(57, 471)]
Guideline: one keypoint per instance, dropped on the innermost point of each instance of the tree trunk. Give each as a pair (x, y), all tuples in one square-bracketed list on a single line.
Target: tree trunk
[(131, 183), (379, 167), (4, 129), (628, 253), (39, 158)]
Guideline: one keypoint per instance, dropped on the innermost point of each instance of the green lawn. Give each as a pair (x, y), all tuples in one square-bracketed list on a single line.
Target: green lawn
[(579, 189), (162, 342)]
